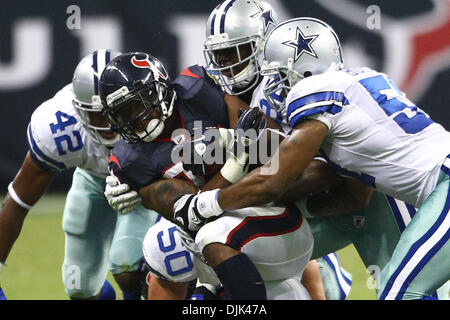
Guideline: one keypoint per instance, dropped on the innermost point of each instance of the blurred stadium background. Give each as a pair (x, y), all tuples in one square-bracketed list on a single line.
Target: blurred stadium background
[(39, 51)]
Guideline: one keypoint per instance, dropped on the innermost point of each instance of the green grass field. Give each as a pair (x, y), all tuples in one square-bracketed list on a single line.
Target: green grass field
[(34, 264)]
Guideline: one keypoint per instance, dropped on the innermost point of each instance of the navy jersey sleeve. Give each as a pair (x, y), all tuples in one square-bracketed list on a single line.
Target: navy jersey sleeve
[(199, 92), (130, 165)]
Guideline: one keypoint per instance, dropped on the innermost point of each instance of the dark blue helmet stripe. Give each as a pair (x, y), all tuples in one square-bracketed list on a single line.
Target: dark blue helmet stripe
[(213, 20), (222, 18), (107, 57), (95, 67)]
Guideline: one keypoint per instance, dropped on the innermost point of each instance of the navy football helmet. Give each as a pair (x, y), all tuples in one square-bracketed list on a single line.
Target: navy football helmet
[(137, 96)]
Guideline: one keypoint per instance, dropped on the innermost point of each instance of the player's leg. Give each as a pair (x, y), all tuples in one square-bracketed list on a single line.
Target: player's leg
[(238, 275), (329, 238), (419, 264), (312, 281), (288, 289), (88, 223), (337, 282), (126, 250), (278, 241)]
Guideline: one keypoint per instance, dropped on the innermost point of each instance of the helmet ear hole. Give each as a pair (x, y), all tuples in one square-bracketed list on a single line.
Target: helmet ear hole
[(307, 74)]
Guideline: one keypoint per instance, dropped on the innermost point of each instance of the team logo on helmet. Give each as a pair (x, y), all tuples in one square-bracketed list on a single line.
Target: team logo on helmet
[(145, 63), (265, 16), (302, 44), (140, 63)]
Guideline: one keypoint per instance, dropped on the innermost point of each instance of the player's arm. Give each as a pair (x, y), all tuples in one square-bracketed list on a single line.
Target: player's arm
[(29, 185), (269, 182), (161, 195), (312, 281), (325, 193), (160, 289), (349, 196), (234, 104), (317, 177)]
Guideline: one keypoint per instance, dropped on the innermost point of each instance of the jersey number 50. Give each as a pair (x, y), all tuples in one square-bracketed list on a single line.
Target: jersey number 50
[(177, 262)]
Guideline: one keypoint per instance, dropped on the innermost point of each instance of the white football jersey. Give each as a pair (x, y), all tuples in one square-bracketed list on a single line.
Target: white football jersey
[(174, 257), (259, 100), (57, 140), (375, 133)]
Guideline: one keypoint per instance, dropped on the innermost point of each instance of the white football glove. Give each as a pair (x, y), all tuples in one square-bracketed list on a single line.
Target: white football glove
[(191, 211), (119, 196)]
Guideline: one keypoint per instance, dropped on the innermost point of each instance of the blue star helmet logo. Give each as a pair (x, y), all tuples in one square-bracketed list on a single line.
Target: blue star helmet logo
[(302, 44), (265, 16)]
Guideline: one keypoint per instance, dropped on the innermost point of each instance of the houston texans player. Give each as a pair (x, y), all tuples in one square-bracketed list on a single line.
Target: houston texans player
[(235, 33), (69, 131), (367, 129), (146, 108)]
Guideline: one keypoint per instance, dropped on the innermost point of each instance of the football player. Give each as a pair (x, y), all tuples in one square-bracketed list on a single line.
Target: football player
[(365, 128), (235, 34), (69, 131), (146, 108), (149, 110)]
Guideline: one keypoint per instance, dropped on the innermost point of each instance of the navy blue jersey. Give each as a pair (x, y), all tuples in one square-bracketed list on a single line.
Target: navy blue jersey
[(198, 99)]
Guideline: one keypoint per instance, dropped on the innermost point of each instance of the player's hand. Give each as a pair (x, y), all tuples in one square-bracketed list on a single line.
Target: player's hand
[(198, 159), (250, 125), (249, 128), (191, 211), (120, 197), (186, 213)]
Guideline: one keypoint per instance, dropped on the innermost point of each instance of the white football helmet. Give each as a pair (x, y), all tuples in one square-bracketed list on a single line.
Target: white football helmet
[(296, 49), (232, 25), (87, 99)]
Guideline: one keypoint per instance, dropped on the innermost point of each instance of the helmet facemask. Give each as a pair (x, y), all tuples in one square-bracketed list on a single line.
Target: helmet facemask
[(92, 120), (283, 78), (243, 73), (139, 114)]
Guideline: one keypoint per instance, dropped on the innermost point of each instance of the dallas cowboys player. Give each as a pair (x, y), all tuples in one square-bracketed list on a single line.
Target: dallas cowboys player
[(68, 131), (367, 129), (235, 34)]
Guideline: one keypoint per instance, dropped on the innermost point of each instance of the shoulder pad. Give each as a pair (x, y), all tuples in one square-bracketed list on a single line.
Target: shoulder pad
[(192, 80), (318, 94)]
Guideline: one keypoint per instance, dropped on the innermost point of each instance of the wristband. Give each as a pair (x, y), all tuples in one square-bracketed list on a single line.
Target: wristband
[(208, 204), (16, 198), (301, 205), (233, 169)]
